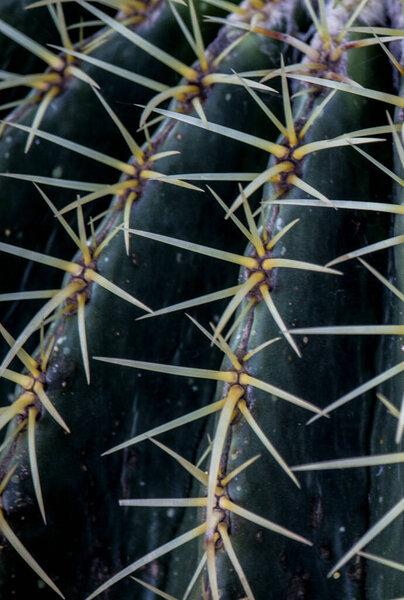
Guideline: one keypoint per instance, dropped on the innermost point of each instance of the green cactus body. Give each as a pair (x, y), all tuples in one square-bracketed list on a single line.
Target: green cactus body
[(386, 480), (171, 208), (64, 120), (285, 561), (250, 513)]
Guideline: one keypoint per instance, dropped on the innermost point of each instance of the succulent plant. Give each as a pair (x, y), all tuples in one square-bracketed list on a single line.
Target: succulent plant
[(208, 403)]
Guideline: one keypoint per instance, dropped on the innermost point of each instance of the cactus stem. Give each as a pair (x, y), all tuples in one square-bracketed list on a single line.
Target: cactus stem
[(51, 83), (240, 468), (137, 172), (332, 50), (242, 314), (220, 57), (114, 289), (37, 320), (316, 113), (266, 110)]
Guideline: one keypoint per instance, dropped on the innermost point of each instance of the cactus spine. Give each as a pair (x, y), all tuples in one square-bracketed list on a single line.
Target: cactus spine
[(238, 498)]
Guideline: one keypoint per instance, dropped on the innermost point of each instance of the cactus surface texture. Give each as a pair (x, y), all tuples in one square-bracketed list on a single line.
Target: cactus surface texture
[(201, 300)]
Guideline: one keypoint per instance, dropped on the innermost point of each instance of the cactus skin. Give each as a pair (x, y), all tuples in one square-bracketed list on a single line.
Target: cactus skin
[(383, 438), (80, 126), (119, 403), (312, 511), (109, 401)]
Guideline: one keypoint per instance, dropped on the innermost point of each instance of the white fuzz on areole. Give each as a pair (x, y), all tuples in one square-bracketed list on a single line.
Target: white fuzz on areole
[(272, 13), (372, 13), (332, 22)]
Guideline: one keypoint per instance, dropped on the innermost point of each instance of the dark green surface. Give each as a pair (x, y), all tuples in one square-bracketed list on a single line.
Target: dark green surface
[(120, 403), (89, 537), (75, 115), (331, 509)]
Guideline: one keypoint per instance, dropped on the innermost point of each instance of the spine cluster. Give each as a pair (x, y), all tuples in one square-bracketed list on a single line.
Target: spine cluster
[(223, 299)]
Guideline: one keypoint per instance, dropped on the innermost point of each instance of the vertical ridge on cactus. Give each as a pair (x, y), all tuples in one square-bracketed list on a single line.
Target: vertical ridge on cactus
[(273, 111)]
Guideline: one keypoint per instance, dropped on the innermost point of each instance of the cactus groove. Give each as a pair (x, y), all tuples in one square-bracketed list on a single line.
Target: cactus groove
[(207, 404)]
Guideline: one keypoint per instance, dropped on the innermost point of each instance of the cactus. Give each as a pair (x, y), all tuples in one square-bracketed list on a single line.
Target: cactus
[(208, 402)]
